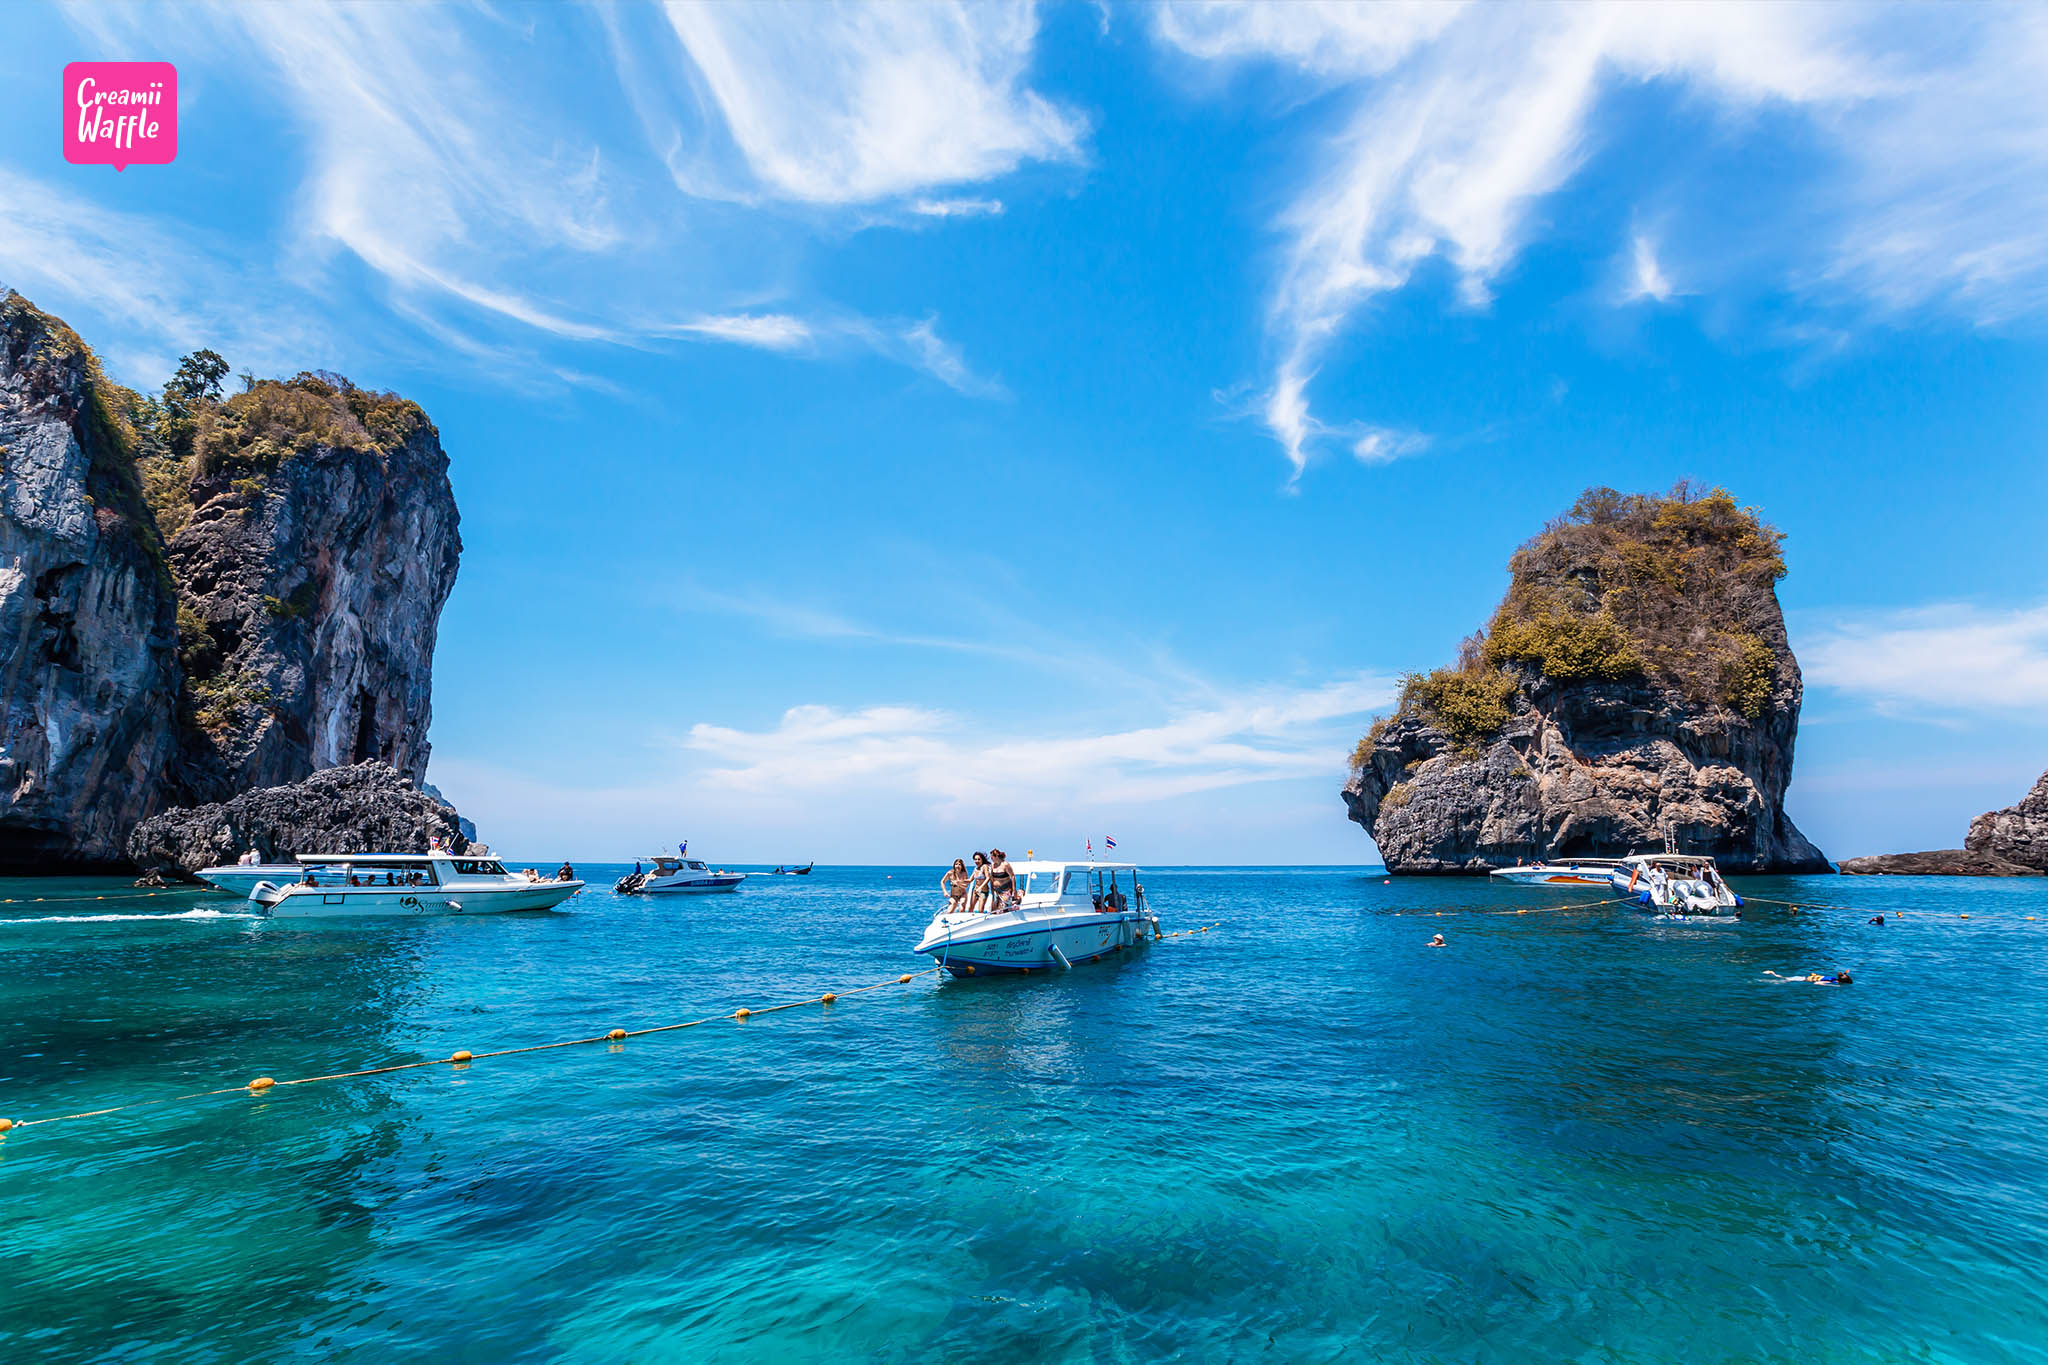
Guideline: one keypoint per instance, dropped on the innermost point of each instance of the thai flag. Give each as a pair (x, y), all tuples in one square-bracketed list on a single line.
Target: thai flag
[(1108, 842), (1091, 848)]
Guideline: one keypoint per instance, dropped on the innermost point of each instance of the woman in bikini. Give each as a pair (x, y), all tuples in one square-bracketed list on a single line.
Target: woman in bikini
[(1002, 881), (977, 882), (955, 884)]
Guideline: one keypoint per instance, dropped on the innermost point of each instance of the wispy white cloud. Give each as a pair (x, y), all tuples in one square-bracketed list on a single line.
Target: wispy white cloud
[(1933, 124), (917, 344), (861, 102), (886, 752), (1939, 659), (1384, 445), (502, 219), (957, 208), (769, 331), (1646, 274)]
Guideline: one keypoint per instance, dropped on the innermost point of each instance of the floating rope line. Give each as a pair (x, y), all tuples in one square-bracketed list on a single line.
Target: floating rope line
[(263, 1084), (114, 896), (1184, 933), (1797, 906), (463, 1058)]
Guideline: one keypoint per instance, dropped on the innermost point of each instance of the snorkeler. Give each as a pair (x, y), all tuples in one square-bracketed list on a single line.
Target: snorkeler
[(1815, 978), (1438, 942)]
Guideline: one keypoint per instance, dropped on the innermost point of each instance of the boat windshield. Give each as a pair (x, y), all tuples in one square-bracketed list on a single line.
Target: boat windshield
[(1041, 883), (695, 866), (479, 867)]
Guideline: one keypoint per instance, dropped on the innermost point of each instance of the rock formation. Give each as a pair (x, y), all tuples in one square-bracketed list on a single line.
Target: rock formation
[(362, 807), (1634, 691), (88, 636), (2001, 843), (1943, 862), (200, 595), (2018, 833), (320, 546)]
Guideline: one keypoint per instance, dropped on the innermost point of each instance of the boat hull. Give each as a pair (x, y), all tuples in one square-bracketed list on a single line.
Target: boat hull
[(353, 902), (1552, 876), (699, 887), (240, 881), (983, 945)]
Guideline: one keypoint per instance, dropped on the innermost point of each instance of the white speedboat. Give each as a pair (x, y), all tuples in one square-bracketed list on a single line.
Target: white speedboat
[(1674, 884), (678, 874), (1566, 872), (336, 885), (241, 878), (1067, 913)]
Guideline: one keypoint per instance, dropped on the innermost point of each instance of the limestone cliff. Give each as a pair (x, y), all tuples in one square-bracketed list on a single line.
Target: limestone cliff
[(320, 545), (200, 595), (2018, 833), (1634, 690), (88, 663)]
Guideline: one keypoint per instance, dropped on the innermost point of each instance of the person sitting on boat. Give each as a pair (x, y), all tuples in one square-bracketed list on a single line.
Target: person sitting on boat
[(977, 884), (1113, 899), (307, 880), (955, 884), (248, 859), (1002, 882), (565, 873)]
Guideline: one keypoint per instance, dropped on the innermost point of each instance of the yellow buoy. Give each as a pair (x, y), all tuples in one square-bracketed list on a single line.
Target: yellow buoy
[(262, 1083), (827, 998), (903, 978), (970, 969), (5, 1124), (1965, 916), (616, 1034), (741, 1013), (459, 1057)]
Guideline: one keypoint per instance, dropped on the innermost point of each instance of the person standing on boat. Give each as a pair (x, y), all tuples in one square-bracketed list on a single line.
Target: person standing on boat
[(977, 883), (1002, 881), (955, 884)]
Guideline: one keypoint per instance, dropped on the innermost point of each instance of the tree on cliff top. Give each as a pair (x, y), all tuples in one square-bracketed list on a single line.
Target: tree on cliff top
[(1675, 590)]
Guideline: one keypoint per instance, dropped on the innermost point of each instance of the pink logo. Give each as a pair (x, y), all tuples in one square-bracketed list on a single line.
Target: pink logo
[(120, 114)]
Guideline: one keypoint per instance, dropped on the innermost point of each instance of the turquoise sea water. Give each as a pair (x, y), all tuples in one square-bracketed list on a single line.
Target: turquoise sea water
[(1303, 1136)]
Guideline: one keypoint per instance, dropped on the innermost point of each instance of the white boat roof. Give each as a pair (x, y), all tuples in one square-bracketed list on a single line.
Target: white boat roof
[(1681, 859), (1055, 865), (385, 857)]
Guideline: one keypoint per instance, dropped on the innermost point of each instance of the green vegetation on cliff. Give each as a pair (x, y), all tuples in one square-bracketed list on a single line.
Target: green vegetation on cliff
[(1676, 591)]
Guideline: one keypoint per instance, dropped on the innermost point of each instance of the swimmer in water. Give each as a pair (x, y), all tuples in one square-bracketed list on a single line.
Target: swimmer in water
[(1815, 978), (1878, 920), (1438, 942)]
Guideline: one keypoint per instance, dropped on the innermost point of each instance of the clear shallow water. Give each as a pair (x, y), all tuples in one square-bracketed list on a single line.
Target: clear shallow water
[(1304, 1136)]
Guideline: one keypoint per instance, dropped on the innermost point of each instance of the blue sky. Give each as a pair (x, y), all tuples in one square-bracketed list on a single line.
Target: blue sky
[(881, 432)]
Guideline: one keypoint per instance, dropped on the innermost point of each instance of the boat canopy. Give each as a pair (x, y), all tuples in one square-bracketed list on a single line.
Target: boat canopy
[(1057, 865), (379, 858), (1671, 859)]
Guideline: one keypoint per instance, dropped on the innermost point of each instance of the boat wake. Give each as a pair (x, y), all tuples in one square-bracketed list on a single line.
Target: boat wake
[(114, 919)]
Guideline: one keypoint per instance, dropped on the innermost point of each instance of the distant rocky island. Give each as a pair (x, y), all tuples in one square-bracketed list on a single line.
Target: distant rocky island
[(1634, 691), (203, 594), (2000, 843)]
